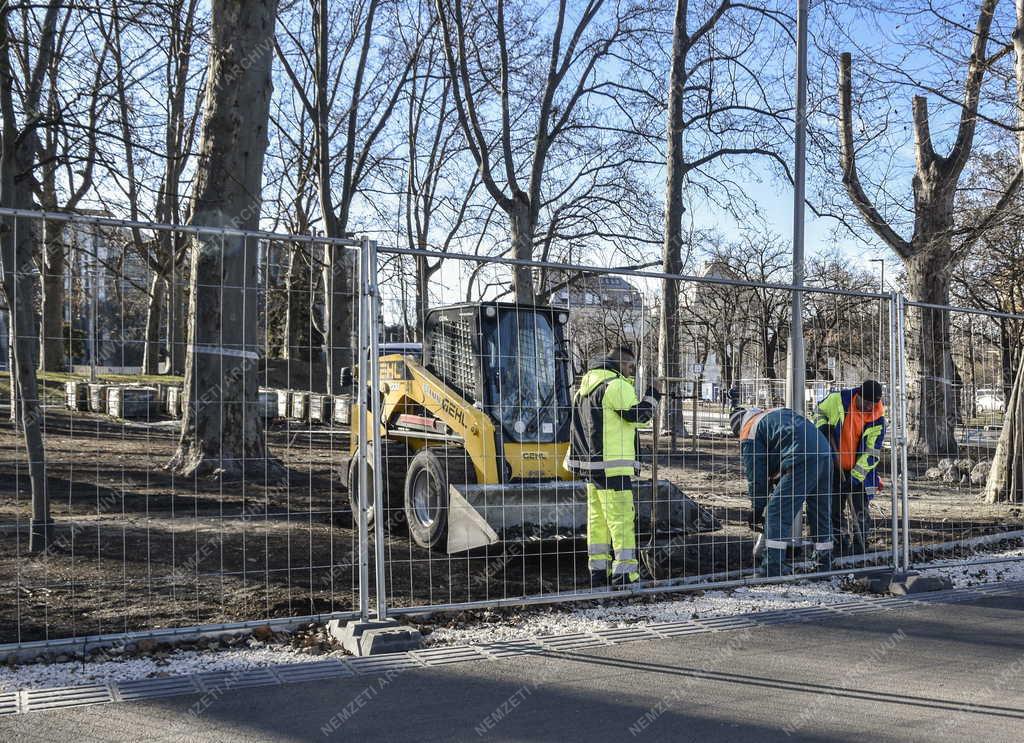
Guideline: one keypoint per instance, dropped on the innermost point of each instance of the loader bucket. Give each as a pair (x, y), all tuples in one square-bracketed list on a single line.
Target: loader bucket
[(483, 515)]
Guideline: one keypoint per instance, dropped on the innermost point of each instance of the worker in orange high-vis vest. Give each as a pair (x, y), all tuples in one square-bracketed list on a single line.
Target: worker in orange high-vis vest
[(853, 422)]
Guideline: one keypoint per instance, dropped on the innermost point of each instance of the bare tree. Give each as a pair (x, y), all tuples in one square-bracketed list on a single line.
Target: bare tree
[(712, 86), (349, 82), (18, 159), (221, 433), (68, 159), (541, 98), (930, 251), (1006, 478)]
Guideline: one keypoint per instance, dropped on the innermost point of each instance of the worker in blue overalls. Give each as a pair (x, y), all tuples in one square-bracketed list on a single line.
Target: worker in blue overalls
[(788, 463)]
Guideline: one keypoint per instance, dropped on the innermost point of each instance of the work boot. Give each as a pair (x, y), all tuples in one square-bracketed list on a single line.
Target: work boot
[(822, 561), (598, 578), (774, 564), (625, 581)]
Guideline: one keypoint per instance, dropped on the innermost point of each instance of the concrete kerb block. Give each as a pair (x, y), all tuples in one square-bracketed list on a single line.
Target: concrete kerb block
[(374, 637), (902, 584)]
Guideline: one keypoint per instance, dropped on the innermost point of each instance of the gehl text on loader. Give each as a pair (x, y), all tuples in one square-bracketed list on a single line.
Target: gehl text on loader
[(474, 436)]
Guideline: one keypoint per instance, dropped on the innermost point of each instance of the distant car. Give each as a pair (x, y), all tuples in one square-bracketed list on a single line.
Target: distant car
[(989, 400)]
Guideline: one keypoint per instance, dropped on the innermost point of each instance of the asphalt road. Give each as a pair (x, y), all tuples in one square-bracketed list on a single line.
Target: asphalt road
[(929, 672)]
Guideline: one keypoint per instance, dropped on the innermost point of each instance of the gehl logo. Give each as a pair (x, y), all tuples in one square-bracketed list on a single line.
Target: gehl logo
[(456, 412), (534, 455)]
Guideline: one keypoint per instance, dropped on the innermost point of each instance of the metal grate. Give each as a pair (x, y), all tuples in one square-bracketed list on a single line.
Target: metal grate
[(452, 354), (154, 688), (67, 696)]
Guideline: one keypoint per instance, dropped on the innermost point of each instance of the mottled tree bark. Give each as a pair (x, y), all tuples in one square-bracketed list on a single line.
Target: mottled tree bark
[(222, 434)]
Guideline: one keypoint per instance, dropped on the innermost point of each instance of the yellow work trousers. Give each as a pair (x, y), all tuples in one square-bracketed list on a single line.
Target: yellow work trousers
[(611, 528)]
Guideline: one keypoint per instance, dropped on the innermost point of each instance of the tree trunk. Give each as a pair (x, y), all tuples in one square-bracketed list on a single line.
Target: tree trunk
[(154, 319), (301, 337), (669, 348), (222, 434), (1005, 482), (930, 396), (422, 295), (52, 347), (338, 272), (522, 225), (177, 301)]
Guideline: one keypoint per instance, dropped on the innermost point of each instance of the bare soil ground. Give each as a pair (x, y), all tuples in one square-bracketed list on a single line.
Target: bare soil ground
[(137, 548)]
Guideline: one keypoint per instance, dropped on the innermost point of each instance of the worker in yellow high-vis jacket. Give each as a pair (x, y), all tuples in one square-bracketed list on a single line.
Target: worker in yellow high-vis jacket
[(603, 450)]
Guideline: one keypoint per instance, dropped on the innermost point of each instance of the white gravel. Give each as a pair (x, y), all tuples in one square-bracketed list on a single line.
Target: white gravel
[(495, 626), (178, 663)]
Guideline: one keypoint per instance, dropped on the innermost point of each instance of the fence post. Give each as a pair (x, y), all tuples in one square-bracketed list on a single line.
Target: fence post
[(362, 385), (373, 330), (895, 395), (901, 440)]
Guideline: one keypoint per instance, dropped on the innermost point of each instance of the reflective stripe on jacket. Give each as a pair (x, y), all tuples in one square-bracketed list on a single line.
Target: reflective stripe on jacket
[(830, 419), (606, 416)]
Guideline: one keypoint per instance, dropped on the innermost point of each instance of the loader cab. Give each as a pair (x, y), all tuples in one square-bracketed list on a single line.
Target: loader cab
[(508, 360)]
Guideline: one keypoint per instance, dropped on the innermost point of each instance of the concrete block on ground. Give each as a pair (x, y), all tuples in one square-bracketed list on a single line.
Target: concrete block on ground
[(375, 637), (77, 395), (914, 583), (173, 400), (300, 406), (343, 409), (98, 397), (320, 408), (284, 403), (124, 401), (900, 584)]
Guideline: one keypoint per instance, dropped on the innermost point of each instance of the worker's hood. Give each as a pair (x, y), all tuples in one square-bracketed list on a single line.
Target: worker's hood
[(595, 378)]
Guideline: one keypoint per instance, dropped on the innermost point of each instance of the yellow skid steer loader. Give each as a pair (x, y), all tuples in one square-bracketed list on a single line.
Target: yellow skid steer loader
[(475, 433)]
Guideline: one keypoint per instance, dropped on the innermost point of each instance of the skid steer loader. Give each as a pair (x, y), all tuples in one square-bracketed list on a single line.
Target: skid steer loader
[(474, 436)]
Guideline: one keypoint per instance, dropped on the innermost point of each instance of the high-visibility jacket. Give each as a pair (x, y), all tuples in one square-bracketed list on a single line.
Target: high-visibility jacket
[(859, 454), (606, 416)]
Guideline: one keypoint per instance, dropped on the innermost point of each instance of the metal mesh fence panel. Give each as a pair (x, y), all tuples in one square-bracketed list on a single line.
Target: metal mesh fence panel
[(480, 393), (964, 498), (192, 396)]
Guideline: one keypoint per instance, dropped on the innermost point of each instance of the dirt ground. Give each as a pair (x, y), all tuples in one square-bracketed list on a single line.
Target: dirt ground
[(136, 548)]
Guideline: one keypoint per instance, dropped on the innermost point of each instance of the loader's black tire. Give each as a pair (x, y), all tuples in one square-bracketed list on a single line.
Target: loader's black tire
[(394, 458), (430, 473)]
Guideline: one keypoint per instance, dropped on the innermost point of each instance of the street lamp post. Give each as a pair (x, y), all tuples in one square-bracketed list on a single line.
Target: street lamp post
[(797, 362), (881, 318)]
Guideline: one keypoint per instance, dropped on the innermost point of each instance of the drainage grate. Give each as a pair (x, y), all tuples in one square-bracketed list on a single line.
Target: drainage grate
[(66, 696), (717, 624), (153, 688), (854, 607), (8, 703), (510, 648), (782, 616), (445, 655), (383, 663), (220, 681), (294, 673), (676, 629), (570, 642), (625, 634)]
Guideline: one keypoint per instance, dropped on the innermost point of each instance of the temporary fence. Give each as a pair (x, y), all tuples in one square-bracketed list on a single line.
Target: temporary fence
[(963, 470), (239, 428), (191, 470)]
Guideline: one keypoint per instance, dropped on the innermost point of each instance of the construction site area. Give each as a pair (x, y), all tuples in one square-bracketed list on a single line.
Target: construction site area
[(475, 407)]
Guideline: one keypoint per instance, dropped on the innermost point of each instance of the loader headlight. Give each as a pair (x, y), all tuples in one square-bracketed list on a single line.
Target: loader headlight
[(563, 318), (490, 311)]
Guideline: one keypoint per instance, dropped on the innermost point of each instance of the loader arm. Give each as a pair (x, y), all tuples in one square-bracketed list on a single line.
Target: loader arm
[(408, 386)]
